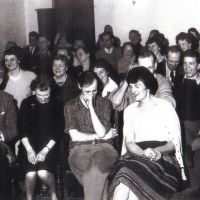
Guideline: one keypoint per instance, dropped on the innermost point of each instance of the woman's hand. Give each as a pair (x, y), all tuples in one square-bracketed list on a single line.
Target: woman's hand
[(31, 157), (42, 154), (152, 154)]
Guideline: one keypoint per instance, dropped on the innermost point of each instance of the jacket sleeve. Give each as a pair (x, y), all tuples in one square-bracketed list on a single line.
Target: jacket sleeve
[(9, 130), (165, 90)]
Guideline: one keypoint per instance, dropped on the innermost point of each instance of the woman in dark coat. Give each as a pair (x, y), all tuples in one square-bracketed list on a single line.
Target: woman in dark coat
[(38, 138)]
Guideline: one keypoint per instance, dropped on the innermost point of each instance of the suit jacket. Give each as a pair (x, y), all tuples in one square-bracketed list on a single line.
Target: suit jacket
[(30, 59), (8, 117), (28, 52)]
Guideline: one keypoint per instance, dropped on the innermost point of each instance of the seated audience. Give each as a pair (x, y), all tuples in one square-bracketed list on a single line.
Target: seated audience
[(127, 61), (64, 87), (102, 70), (87, 121), (78, 43), (183, 41), (122, 97), (64, 51), (195, 36), (10, 45), (109, 52), (8, 136), (31, 51), (108, 29), (148, 166), (44, 59), (157, 46), (187, 94), (85, 61), (173, 68), (19, 80), (152, 33), (38, 136), (135, 38)]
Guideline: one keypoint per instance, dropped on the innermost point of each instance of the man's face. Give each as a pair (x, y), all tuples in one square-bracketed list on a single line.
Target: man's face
[(184, 45), (108, 29), (147, 62), (78, 44), (173, 60), (43, 44), (134, 38), (33, 41), (89, 91), (42, 96), (107, 41), (11, 62), (190, 66), (128, 51)]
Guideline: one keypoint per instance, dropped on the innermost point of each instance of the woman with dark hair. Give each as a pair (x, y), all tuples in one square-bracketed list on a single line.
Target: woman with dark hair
[(84, 59), (87, 121), (151, 149), (158, 46), (152, 33), (103, 71), (195, 37), (127, 60), (38, 136)]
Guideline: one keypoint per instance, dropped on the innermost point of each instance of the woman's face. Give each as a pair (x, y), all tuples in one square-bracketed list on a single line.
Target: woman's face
[(101, 73), (128, 51), (154, 48), (59, 68), (81, 55), (184, 45), (139, 90)]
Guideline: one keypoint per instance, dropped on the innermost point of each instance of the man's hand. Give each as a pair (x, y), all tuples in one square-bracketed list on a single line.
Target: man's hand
[(42, 155), (112, 133), (88, 100)]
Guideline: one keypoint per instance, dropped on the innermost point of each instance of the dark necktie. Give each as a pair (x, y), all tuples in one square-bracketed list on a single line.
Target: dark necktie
[(172, 77)]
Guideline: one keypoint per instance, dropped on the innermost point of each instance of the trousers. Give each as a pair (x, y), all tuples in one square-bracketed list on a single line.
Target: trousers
[(91, 164)]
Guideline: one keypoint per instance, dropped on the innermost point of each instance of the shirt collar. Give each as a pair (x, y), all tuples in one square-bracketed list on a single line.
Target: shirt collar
[(109, 51)]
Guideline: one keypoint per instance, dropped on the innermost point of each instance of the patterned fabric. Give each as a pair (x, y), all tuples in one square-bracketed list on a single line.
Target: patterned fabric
[(148, 180), (77, 116)]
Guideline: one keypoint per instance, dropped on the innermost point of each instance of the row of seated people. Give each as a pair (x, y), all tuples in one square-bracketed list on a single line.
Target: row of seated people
[(41, 123)]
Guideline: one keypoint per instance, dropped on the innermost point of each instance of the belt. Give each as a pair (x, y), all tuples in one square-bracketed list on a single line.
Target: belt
[(91, 142)]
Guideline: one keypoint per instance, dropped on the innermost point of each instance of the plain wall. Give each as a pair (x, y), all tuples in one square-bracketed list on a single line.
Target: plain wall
[(169, 17), (12, 23), (31, 13)]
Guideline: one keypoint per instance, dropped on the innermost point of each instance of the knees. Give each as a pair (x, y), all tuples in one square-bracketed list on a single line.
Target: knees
[(31, 175), (43, 174)]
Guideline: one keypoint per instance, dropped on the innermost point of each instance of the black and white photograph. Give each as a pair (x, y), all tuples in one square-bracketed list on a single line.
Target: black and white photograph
[(99, 100)]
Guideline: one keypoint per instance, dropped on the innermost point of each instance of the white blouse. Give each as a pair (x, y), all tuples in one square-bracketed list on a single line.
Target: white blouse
[(109, 87), (158, 122)]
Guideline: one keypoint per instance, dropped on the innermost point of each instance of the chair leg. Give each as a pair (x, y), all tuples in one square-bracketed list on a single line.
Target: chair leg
[(59, 182)]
